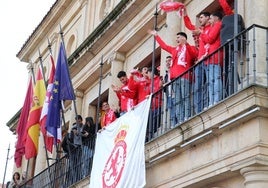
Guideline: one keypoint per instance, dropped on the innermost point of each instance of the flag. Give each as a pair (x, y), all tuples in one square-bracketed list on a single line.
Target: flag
[(21, 128), (33, 126), (62, 90), (49, 139), (119, 159)]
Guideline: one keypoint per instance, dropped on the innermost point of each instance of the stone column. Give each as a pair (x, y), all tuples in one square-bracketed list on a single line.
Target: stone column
[(173, 27), (250, 10), (255, 177), (117, 62), (257, 38)]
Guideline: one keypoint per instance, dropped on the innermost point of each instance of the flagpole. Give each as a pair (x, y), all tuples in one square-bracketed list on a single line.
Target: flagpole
[(42, 67), (99, 97), (74, 101), (153, 72), (32, 72), (44, 138), (68, 72), (6, 166), (43, 72), (154, 46), (235, 44)]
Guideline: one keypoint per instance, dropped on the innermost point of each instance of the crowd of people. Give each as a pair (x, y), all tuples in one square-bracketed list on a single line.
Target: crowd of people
[(203, 84)]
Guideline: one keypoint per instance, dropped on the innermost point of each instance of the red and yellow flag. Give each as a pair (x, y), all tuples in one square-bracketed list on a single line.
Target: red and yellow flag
[(33, 126)]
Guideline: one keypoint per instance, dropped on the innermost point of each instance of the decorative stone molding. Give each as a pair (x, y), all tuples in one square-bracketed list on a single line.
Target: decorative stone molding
[(29, 67), (54, 37), (83, 2), (259, 160), (255, 176), (107, 8), (79, 93), (117, 56)]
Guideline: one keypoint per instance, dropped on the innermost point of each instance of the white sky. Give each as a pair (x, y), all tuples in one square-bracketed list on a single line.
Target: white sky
[(18, 19)]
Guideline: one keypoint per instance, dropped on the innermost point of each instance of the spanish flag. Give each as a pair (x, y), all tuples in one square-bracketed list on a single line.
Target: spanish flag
[(33, 126)]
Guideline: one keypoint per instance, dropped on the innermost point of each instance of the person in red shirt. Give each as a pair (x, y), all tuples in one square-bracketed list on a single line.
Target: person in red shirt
[(140, 83), (139, 74), (127, 97), (200, 91), (183, 57), (213, 65), (108, 115)]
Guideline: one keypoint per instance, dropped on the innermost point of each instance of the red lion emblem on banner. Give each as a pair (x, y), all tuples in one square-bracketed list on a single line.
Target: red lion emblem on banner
[(115, 164)]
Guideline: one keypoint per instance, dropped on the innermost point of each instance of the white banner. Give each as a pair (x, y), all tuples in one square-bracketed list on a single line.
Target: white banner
[(119, 160)]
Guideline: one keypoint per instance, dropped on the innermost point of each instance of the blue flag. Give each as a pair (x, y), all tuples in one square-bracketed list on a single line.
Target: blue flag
[(62, 90)]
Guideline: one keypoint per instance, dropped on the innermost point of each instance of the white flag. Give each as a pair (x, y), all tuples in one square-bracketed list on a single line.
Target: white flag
[(119, 160)]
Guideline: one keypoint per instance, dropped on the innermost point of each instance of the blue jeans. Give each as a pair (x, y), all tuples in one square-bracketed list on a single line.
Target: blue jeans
[(182, 98), (200, 89), (172, 111), (86, 158), (214, 80)]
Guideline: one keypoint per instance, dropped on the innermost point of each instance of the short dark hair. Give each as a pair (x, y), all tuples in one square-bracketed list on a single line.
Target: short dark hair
[(121, 74), (169, 56), (104, 102), (156, 72), (182, 34), (78, 117), (218, 14), (205, 13)]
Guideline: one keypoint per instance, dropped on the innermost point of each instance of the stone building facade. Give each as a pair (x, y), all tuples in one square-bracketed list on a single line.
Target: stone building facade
[(224, 146)]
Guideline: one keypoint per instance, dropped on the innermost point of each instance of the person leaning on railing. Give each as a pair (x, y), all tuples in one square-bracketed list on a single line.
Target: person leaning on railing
[(183, 57), (170, 94), (213, 65), (16, 181), (88, 140), (199, 75)]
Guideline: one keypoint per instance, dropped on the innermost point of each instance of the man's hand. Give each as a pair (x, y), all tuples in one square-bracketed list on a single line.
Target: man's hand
[(184, 12), (197, 31), (152, 32), (115, 88), (85, 134)]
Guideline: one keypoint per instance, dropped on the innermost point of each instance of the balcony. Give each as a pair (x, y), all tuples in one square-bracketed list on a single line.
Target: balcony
[(244, 70)]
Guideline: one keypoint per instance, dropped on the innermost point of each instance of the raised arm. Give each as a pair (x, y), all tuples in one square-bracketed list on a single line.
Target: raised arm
[(226, 7), (162, 44), (187, 21)]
